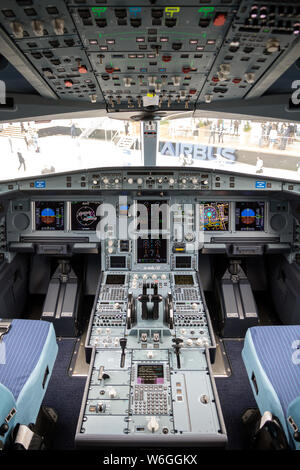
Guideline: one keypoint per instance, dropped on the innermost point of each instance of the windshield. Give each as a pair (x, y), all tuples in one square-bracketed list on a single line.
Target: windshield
[(251, 147)]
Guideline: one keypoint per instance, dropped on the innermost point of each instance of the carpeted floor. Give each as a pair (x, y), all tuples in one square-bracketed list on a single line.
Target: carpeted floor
[(235, 395), (64, 394)]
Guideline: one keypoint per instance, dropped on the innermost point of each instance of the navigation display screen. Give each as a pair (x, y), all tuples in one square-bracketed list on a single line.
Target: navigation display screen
[(151, 250), (214, 216), (49, 215), (83, 215), (150, 374), (250, 216)]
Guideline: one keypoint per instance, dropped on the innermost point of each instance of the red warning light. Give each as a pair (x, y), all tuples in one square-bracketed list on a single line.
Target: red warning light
[(220, 19)]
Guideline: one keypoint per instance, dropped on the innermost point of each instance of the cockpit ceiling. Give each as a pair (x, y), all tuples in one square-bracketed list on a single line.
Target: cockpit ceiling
[(122, 58)]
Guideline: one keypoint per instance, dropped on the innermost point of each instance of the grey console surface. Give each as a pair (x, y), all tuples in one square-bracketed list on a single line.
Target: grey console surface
[(160, 389)]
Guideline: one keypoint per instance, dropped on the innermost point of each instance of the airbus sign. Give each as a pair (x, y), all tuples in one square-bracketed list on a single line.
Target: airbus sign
[(197, 151)]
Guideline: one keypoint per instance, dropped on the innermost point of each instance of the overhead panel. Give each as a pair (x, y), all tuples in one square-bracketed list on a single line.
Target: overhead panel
[(114, 53)]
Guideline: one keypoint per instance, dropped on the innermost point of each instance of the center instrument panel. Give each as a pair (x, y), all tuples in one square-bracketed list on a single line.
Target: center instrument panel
[(150, 342), (207, 211)]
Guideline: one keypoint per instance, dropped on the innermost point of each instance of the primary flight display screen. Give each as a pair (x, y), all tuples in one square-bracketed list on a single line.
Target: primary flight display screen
[(151, 250), (49, 215), (250, 216), (84, 215), (214, 216)]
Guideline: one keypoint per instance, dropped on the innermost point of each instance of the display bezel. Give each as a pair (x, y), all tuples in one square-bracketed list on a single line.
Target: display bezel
[(71, 206), (47, 201), (229, 215), (264, 229)]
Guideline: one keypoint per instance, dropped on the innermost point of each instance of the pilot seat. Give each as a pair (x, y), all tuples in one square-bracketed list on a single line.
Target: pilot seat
[(271, 355), (28, 350)]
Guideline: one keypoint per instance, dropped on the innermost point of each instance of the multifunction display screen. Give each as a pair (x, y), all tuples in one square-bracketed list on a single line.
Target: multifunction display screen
[(250, 216), (115, 279), (150, 374), (49, 215), (84, 215), (184, 280), (151, 250), (155, 216)]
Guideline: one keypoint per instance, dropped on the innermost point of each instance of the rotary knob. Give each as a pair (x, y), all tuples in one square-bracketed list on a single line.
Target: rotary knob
[(154, 276), (225, 68), (194, 306), (130, 180), (105, 180), (116, 180), (194, 180), (249, 77), (189, 342), (140, 181), (164, 277), (171, 181), (272, 45), (183, 180), (145, 277)]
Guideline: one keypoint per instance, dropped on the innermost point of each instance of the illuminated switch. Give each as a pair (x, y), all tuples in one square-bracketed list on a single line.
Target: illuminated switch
[(220, 19), (68, 83), (109, 69), (166, 58), (82, 69), (186, 69)]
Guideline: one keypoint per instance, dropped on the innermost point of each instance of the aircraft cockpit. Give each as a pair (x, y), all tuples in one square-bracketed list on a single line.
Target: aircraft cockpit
[(149, 227)]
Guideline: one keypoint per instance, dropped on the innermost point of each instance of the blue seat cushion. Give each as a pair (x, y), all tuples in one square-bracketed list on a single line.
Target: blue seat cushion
[(272, 353), (24, 344), (28, 353)]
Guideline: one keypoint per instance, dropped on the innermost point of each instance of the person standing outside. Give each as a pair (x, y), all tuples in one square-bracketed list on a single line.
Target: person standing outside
[(73, 131), (21, 160)]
